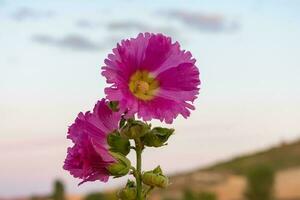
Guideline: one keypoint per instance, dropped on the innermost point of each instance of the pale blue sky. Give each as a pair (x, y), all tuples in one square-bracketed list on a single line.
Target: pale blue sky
[(51, 53)]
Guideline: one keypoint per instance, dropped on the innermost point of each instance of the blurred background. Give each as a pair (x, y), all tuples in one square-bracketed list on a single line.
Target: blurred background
[(242, 142)]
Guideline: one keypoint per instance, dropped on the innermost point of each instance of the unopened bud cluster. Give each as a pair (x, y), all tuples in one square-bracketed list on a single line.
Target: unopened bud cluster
[(143, 136), (129, 192), (155, 178)]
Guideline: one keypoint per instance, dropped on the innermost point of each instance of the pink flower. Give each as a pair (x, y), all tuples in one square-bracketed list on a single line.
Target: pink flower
[(152, 77), (89, 158)]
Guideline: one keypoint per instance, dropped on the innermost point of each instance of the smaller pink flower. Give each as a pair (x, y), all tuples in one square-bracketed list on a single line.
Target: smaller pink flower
[(89, 158)]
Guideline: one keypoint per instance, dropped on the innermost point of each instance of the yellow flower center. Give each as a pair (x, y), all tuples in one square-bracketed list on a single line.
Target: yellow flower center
[(143, 85)]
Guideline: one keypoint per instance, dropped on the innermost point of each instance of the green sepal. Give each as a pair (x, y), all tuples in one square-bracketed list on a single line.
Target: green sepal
[(129, 192), (157, 137), (157, 170), (155, 178), (121, 167), (135, 129), (122, 122), (114, 106), (118, 143)]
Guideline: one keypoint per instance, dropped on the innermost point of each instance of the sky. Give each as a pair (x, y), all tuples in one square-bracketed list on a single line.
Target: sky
[(52, 51)]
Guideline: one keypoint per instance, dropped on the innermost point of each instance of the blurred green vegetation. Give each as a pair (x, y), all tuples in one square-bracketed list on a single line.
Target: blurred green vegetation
[(58, 191), (95, 196), (260, 181), (207, 196), (190, 195), (280, 157), (101, 196)]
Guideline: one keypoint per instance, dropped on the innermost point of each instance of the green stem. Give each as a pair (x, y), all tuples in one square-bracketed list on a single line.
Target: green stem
[(138, 177)]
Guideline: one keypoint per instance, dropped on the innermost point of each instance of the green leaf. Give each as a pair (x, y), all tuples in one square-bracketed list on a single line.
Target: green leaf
[(118, 143), (157, 137)]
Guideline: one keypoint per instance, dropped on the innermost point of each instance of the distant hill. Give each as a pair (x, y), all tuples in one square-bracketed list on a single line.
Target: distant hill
[(283, 156), (226, 179)]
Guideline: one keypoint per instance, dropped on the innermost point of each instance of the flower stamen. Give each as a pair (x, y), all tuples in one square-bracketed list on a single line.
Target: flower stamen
[(143, 85)]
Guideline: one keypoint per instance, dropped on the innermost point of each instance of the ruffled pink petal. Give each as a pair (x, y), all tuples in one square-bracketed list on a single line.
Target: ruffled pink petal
[(174, 69), (127, 55), (163, 109), (157, 52), (184, 77), (104, 118), (102, 149), (89, 157)]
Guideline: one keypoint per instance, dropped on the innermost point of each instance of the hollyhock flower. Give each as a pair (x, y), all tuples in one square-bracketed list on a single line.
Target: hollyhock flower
[(153, 77), (89, 158)]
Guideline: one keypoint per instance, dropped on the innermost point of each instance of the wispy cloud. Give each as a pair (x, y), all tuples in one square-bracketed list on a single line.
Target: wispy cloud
[(113, 25), (204, 22), (128, 25), (29, 13), (141, 27), (88, 24), (125, 26), (73, 42)]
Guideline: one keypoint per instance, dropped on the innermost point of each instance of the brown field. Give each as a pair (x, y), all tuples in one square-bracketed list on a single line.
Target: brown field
[(231, 187)]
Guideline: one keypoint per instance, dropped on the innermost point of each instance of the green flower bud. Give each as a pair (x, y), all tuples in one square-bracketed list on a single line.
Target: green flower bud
[(114, 106), (157, 137), (129, 192), (121, 167), (118, 143), (155, 178), (135, 129)]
